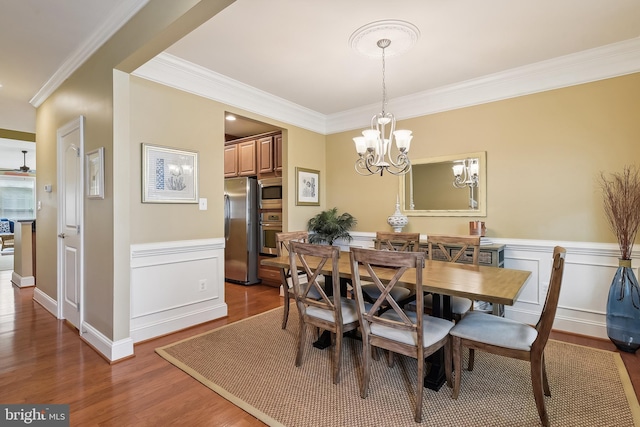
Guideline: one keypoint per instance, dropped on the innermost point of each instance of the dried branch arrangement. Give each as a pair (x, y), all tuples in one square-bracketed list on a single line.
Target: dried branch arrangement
[(621, 195)]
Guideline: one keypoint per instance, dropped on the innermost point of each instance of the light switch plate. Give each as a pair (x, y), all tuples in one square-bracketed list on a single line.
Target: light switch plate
[(203, 204)]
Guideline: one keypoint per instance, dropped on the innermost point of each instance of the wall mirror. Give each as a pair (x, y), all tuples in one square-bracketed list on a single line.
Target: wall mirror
[(428, 189)]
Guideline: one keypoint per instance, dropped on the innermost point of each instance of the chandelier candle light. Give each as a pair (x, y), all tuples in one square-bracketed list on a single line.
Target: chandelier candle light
[(374, 147), (465, 173)]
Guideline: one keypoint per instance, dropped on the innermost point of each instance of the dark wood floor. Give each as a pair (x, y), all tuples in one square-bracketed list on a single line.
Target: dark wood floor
[(42, 360)]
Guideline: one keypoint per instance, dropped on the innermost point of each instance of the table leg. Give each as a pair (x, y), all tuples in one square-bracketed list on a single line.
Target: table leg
[(441, 307)]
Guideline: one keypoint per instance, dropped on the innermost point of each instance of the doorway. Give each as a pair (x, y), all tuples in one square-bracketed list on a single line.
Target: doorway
[(70, 141)]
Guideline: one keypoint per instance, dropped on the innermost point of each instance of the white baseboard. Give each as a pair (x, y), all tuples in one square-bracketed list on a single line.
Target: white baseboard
[(48, 303), (111, 350), (174, 322), (22, 281)]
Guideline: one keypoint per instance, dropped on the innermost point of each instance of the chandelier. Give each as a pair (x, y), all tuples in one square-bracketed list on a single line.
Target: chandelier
[(374, 147)]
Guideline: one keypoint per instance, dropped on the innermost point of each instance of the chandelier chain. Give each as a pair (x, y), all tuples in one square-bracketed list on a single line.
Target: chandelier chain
[(384, 86)]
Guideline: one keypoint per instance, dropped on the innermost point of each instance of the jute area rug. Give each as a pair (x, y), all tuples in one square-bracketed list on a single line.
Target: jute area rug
[(251, 363)]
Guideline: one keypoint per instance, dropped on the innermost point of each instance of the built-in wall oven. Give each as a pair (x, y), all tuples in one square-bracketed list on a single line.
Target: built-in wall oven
[(270, 225), (270, 193)]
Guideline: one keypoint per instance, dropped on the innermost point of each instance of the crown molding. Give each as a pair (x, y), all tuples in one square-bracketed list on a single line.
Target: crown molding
[(583, 67), (121, 15), (172, 71)]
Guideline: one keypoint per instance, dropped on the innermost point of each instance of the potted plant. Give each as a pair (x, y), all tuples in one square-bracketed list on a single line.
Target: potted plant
[(328, 226), (621, 194)]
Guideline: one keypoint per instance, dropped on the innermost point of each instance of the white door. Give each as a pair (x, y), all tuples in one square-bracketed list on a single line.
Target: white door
[(70, 215)]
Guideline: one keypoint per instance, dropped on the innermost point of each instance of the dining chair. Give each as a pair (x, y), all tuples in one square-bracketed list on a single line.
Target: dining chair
[(457, 248), (396, 330), (399, 242), (282, 249), (506, 337), (335, 313)]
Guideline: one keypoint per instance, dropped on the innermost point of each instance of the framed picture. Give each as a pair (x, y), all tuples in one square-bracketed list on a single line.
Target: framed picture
[(95, 173), (307, 187), (169, 175)]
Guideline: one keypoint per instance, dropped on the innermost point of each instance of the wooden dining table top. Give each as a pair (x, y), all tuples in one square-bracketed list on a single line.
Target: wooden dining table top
[(493, 284)]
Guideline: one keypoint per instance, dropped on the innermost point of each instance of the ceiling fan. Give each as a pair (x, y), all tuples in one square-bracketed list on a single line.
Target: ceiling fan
[(24, 168)]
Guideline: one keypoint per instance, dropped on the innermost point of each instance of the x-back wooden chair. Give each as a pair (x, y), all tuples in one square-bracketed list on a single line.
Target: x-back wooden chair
[(396, 242), (282, 249), (334, 313), (459, 247), (506, 337), (412, 334)]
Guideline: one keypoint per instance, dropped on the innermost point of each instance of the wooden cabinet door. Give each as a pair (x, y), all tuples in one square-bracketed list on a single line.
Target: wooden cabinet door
[(247, 158), (277, 153), (230, 161), (265, 154)]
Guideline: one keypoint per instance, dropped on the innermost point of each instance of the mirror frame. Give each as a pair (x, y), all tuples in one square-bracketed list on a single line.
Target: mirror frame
[(482, 187)]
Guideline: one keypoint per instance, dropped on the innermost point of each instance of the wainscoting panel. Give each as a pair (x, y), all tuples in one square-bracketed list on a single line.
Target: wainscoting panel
[(589, 270), (175, 285)]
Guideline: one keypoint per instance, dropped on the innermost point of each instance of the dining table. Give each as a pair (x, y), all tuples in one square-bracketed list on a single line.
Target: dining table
[(444, 280)]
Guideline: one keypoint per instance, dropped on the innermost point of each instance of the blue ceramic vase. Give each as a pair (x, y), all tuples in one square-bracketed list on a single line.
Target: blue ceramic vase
[(623, 309)]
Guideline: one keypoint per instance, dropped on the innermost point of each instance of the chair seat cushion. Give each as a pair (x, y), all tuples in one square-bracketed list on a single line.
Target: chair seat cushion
[(495, 330), (349, 311), (313, 293), (459, 305), (398, 293), (434, 329)]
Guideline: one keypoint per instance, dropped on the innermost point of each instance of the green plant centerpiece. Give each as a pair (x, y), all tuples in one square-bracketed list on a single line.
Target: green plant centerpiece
[(621, 195), (328, 226)]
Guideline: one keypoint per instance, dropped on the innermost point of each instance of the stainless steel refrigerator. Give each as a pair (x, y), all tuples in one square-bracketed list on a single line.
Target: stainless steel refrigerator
[(241, 230)]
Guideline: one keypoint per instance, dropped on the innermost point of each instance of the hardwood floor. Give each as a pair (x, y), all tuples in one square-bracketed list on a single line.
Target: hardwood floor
[(42, 360)]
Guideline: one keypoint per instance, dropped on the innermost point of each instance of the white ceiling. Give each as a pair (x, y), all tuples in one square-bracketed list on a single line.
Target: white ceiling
[(298, 50)]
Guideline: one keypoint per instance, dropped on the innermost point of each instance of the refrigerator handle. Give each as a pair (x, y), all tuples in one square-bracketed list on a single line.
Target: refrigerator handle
[(227, 216)]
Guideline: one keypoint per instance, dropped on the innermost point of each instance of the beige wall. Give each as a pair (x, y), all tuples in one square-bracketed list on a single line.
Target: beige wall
[(164, 116), (91, 91), (168, 117), (304, 149), (544, 155), (88, 93)]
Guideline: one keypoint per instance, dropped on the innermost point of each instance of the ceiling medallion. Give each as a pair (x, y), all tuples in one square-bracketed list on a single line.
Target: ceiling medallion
[(404, 35)]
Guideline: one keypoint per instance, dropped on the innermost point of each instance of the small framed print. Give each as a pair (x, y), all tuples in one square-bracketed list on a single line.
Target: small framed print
[(307, 187), (95, 173), (169, 175)]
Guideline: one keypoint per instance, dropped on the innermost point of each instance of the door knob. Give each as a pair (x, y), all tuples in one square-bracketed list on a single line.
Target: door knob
[(61, 235)]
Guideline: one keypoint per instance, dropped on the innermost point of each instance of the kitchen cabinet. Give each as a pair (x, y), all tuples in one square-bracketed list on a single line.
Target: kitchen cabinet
[(265, 152), (270, 276), (247, 165), (270, 154), (259, 155), (231, 161), (277, 153)]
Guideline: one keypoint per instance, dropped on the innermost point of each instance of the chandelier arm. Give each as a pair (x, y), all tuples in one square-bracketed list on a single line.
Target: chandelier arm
[(403, 171), (365, 163), (401, 161)]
